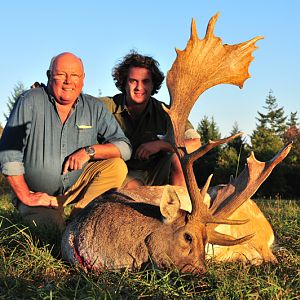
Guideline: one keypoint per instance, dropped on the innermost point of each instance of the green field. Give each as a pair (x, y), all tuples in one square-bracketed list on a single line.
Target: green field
[(30, 267)]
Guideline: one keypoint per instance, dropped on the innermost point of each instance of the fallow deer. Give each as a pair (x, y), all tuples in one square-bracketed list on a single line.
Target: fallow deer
[(121, 230)]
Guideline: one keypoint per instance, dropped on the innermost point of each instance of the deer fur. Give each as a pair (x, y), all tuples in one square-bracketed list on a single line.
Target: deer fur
[(117, 233)]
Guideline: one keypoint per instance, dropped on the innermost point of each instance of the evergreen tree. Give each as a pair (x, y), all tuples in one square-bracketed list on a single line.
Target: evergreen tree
[(17, 91), (265, 143), (239, 143), (292, 134), (293, 120), (208, 130), (207, 164), (267, 140), (274, 119)]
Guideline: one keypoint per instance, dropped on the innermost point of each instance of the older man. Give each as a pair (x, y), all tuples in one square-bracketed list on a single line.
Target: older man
[(61, 146)]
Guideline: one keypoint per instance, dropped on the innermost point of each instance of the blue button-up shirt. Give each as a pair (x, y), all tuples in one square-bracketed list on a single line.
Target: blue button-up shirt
[(36, 143)]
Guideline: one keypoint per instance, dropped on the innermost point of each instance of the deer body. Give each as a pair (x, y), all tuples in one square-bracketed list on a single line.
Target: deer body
[(116, 233)]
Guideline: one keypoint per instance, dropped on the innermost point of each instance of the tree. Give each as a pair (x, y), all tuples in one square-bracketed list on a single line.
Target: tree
[(208, 130), (233, 156), (293, 120), (265, 143), (207, 164), (292, 134), (275, 118), (239, 144), (18, 89)]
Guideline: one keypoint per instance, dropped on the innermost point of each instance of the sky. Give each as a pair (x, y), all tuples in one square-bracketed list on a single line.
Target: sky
[(102, 32)]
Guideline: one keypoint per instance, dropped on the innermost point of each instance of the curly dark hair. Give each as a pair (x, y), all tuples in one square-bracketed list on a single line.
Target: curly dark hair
[(134, 59)]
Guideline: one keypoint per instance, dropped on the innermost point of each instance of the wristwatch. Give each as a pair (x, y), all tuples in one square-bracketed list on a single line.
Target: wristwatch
[(90, 150)]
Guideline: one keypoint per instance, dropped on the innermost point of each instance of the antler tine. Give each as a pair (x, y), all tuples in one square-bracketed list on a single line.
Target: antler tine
[(210, 145), (199, 209), (221, 239), (211, 26)]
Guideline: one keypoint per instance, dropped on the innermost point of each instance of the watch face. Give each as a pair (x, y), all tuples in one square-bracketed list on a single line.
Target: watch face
[(90, 150)]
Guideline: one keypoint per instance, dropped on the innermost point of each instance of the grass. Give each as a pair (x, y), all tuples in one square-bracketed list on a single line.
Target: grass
[(30, 267)]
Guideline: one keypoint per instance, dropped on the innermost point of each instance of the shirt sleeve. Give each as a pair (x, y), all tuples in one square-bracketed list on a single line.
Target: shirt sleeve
[(14, 137), (124, 149)]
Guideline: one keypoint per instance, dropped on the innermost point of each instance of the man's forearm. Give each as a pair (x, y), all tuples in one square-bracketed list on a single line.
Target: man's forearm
[(105, 151), (20, 187)]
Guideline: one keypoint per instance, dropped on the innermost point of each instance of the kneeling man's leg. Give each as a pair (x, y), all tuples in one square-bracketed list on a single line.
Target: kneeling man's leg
[(97, 178)]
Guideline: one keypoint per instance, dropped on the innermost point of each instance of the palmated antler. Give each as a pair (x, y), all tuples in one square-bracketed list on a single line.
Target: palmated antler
[(245, 185), (204, 64), (229, 197), (201, 65)]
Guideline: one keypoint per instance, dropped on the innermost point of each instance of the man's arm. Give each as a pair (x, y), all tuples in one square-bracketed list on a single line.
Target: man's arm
[(20, 188), (12, 146), (77, 160), (145, 150)]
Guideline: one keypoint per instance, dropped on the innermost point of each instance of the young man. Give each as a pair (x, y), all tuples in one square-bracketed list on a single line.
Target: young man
[(144, 122), (61, 146)]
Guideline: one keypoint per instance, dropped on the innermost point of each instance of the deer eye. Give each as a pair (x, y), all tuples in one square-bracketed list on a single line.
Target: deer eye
[(188, 238)]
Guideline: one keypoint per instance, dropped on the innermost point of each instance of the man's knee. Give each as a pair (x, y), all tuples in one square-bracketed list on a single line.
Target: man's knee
[(119, 169), (114, 169)]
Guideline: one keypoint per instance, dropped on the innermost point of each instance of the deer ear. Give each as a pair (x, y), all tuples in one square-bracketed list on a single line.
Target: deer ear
[(169, 204)]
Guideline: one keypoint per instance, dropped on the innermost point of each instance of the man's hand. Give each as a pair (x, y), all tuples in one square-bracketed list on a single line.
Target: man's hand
[(144, 151), (20, 188), (40, 199), (75, 161)]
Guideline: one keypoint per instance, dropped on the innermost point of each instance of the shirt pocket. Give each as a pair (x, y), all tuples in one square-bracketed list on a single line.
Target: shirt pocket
[(85, 134)]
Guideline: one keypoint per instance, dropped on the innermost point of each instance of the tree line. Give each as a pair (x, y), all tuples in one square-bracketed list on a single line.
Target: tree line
[(273, 130)]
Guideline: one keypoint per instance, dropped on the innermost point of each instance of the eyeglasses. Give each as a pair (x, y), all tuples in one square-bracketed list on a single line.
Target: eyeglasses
[(63, 76)]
